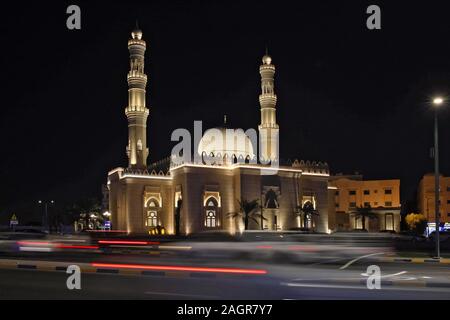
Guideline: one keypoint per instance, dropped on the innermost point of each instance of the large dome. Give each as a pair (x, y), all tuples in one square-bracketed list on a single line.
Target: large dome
[(225, 141)]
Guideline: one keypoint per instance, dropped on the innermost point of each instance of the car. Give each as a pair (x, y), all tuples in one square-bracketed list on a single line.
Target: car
[(443, 236)]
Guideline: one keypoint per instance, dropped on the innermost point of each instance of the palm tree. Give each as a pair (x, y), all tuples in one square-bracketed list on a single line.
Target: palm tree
[(308, 211), (248, 210), (363, 213)]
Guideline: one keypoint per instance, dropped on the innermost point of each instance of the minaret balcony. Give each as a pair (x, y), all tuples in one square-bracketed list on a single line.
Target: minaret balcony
[(267, 100), (267, 67), (136, 75), (136, 111), (139, 42)]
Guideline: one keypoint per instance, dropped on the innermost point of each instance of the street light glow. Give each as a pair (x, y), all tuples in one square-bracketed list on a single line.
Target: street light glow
[(438, 101)]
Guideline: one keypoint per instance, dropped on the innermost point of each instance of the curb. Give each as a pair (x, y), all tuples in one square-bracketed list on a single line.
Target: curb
[(416, 260), (384, 283), (88, 268)]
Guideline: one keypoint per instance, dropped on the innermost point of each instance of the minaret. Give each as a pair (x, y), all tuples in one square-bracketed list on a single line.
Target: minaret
[(268, 129), (136, 111)]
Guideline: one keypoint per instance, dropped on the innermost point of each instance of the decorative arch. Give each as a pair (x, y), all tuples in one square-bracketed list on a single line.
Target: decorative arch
[(271, 200), (153, 202), (208, 195)]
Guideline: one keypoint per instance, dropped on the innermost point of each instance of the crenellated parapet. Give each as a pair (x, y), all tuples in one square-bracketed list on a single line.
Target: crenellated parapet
[(311, 166)]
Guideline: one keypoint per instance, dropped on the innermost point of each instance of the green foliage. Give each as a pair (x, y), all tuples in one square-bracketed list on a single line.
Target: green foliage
[(416, 222), (248, 210), (363, 213)]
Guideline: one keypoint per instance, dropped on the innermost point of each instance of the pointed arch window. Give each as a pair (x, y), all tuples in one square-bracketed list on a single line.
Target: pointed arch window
[(211, 220)]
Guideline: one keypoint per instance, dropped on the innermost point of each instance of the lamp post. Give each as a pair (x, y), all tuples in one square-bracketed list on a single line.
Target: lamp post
[(438, 101), (45, 217), (107, 216)]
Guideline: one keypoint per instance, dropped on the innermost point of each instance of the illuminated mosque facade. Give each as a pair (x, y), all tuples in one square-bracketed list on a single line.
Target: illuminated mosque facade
[(198, 195)]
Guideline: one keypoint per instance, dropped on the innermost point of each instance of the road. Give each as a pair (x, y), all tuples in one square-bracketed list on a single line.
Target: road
[(215, 271), (281, 282)]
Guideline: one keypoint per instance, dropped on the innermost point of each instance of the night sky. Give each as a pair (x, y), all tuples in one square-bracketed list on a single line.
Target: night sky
[(355, 98)]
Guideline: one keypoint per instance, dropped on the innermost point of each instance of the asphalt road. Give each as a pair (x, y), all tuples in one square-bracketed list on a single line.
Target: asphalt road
[(282, 282), (300, 270)]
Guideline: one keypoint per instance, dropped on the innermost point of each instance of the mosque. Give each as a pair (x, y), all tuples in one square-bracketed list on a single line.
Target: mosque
[(187, 196)]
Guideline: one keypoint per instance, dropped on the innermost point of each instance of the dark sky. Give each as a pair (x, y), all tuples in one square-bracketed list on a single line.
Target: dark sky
[(356, 98)]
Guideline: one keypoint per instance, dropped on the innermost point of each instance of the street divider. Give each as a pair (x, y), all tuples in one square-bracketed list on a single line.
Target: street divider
[(131, 269), (415, 260)]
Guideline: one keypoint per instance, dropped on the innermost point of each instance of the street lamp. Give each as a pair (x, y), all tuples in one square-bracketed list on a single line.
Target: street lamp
[(437, 102), (107, 224), (45, 217)]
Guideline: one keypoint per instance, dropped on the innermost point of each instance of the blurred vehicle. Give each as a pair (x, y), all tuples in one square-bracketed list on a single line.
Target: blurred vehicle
[(443, 236), (388, 231), (23, 234), (410, 236)]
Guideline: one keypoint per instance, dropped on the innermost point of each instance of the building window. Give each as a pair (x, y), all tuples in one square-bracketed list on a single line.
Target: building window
[(366, 204), (352, 204), (389, 221), (388, 204), (337, 193), (358, 222), (352, 192), (210, 218), (211, 213), (387, 191), (337, 205), (152, 219), (366, 192)]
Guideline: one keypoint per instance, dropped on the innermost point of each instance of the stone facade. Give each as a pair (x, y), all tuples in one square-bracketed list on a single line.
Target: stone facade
[(215, 190), (203, 195)]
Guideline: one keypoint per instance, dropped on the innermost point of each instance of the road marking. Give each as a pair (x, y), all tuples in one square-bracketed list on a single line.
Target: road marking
[(35, 249), (359, 258), (312, 285), (388, 275), (175, 247)]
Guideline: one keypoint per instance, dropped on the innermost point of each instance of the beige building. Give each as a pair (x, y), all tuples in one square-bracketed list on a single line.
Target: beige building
[(200, 193), (351, 192), (425, 198)]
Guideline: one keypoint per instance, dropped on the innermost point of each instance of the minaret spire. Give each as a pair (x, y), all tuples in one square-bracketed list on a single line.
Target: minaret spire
[(268, 129), (136, 111)]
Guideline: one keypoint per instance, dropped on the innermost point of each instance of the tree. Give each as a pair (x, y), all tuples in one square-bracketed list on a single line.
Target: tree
[(416, 222), (86, 212), (248, 210), (363, 213), (307, 211)]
